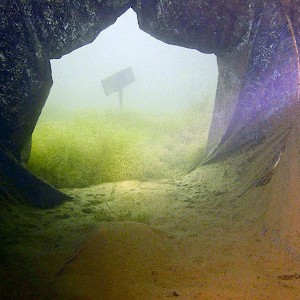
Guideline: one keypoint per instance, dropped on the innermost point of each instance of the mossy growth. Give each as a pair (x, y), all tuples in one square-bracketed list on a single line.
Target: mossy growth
[(90, 148)]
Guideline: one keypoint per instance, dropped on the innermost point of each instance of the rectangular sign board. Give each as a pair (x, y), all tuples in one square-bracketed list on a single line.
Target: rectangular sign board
[(117, 81)]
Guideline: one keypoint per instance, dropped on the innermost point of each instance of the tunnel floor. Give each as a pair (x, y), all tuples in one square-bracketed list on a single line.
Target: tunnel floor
[(200, 236)]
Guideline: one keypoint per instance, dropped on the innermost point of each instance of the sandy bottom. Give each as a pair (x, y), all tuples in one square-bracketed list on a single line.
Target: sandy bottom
[(227, 230), (135, 261)]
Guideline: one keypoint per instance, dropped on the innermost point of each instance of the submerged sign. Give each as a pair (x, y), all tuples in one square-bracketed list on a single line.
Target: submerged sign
[(117, 81)]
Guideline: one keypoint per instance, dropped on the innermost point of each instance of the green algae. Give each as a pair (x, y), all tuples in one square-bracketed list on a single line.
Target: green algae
[(90, 148)]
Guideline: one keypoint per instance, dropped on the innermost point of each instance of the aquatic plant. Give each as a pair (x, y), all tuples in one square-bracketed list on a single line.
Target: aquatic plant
[(91, 147)]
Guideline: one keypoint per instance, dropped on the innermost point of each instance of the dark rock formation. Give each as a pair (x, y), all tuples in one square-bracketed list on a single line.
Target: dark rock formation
[(257, 58), (255, 42), (33, 32)]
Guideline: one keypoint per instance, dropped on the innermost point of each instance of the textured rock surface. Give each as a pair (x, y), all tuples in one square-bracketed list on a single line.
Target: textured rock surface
[(253, 40), (257, 60), (208, 26), (32, 32), (267, 88)]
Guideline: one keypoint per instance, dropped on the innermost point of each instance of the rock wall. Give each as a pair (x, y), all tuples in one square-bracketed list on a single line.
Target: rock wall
[(255, 45), (33, 32)]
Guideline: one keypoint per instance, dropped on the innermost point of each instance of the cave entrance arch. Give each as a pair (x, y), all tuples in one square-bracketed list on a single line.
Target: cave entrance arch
[(163, 71), (169, 80), (278, 212)]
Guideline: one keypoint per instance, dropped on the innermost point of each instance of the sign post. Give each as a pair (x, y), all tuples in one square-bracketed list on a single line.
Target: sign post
[(121, 99), (116, 83)]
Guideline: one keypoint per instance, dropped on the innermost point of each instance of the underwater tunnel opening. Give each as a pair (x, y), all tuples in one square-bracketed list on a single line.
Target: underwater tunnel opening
[(83, 138), (220, 231)]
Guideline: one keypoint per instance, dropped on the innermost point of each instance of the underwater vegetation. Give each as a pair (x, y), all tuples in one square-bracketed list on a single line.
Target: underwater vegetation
[(92, 147)]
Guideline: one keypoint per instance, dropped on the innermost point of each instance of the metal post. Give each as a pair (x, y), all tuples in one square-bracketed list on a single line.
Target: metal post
[(121, 98)]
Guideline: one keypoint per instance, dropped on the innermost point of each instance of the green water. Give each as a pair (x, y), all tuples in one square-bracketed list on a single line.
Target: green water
[(89, 147)]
